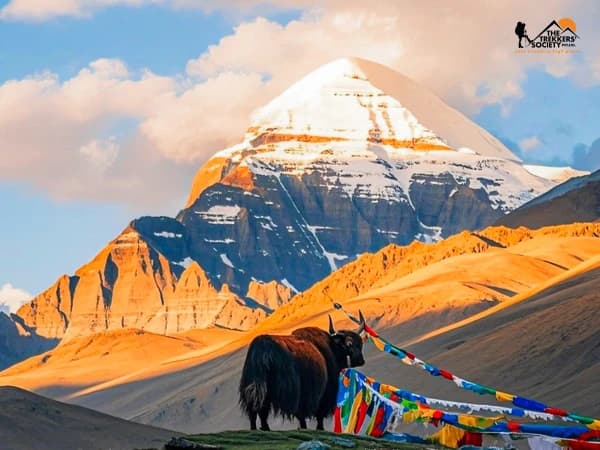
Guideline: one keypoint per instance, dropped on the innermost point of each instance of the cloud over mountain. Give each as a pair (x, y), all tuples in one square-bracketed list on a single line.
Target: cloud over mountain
[(11, 298), (102, 133)]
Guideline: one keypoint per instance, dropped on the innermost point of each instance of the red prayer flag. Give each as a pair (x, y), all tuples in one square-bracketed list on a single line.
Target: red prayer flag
[(555, 411), (471, 438), (379, 427), (337, 420), (446, 374), (361, 413), (513, 427)]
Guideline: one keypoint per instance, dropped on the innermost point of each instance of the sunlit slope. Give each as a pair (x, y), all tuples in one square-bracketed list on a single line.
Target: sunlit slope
[(406, 292)]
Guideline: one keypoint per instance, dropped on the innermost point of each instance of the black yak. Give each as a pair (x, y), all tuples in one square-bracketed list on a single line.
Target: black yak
[(297, 375)]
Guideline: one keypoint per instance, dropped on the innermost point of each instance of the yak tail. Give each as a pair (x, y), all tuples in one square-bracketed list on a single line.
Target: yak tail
[(264, 384), (253, 384), (253, 396)]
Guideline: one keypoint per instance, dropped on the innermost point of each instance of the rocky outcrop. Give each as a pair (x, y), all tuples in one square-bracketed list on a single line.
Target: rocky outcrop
[(380, 269), (209, 174), (195, 303), (270, 295), (49, 312), (576, 200), (442, 202), (124, 285), (131, 284)]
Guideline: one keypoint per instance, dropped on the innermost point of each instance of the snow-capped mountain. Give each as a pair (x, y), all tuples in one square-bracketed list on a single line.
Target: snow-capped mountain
[(349, 159), (351, 99)]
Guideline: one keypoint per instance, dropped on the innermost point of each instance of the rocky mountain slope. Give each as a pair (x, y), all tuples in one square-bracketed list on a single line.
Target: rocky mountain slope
[(553, 353), (561, 347), (18, 342), (105, 356), (405, 291), (129, 284), (525, 252), (351, 158), (576, 200)]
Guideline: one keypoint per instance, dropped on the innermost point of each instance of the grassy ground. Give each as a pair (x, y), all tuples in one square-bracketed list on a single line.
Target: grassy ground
[(290, 440)]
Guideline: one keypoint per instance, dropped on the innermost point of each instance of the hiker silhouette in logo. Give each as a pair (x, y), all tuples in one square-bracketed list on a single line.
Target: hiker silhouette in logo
[(522, 33)]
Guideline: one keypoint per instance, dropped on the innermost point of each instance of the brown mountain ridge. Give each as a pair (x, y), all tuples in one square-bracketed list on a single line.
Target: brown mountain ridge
[(406, 292)]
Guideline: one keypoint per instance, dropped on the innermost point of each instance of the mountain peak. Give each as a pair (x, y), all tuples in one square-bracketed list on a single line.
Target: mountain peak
[(339, 73), (352, 99)]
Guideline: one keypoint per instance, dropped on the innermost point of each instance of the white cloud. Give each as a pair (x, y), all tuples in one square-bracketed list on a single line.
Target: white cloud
[(66, 137), (101, 154), (110, 68), (107, 134), (206, 117), (11, 298), (39, 10), (464, 51), (54, 135), (530, 143)]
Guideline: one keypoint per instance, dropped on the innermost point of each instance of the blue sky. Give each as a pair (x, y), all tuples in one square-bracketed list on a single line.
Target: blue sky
[(43, 238), (153, 37), (72, 177), (556, 110)]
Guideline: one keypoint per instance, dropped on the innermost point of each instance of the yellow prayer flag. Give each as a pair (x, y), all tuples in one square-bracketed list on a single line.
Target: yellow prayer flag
[(448, 436), (504, 397), (595, 425)]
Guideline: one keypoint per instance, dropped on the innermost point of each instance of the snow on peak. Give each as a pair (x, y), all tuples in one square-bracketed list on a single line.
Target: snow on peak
[(371, 132), (356, 99), (338, 101), (556, 174)]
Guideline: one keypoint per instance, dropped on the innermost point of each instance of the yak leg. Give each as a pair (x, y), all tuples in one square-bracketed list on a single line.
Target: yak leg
[(320, 423), (252, 416), (264, 415), (302, 421)]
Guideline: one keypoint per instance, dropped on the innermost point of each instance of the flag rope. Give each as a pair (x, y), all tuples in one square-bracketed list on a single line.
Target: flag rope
[(522, 404), (365, 406)]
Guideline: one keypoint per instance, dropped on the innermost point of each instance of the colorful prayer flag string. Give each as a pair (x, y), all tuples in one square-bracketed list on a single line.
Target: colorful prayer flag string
[(366, 407), (521, 403)]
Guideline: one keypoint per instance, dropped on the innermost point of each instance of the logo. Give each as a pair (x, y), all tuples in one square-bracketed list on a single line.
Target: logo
[(559, 36)]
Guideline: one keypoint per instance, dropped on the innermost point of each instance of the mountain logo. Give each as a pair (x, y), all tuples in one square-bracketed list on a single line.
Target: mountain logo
[(558, 34)]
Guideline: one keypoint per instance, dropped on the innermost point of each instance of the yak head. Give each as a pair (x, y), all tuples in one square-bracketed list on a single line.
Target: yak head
[(347, 345)]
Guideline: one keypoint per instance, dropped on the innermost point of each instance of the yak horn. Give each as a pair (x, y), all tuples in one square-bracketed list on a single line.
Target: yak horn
[(331, 327), (361, 327)]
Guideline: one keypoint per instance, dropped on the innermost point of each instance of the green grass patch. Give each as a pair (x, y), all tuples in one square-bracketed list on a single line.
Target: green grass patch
[(290, 440)]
